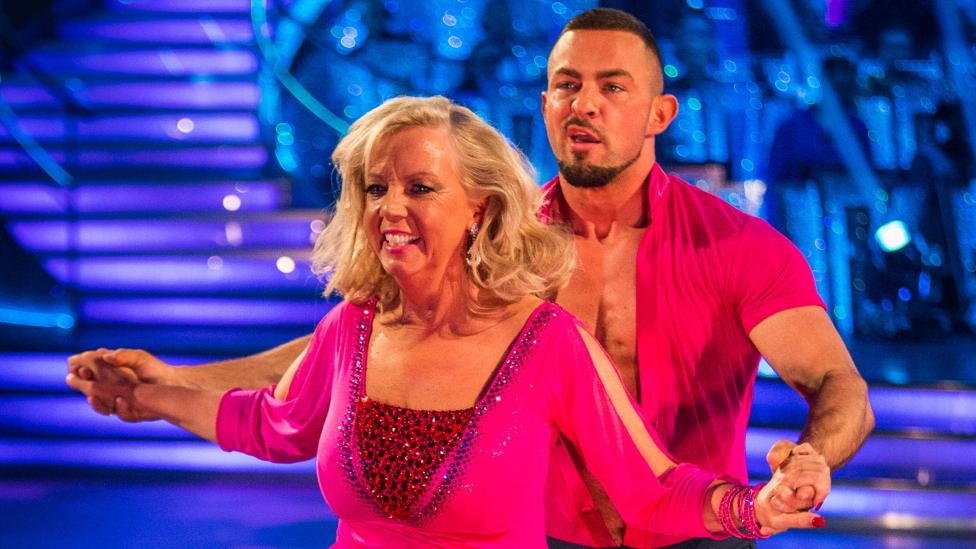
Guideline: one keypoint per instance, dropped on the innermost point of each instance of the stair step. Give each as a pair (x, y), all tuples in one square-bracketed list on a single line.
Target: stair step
[(173, 95), (227, 274), (190, 128), (96, 159), (942, 511), (167, 235), (935, 411), (204, 311), (198, 30), (92, 198), (180, 6), (895, 408), (208, 340), (44, 372), (70, 417), (925, 461), (184, 62), (895, 508), (932, 462), (188, 456)]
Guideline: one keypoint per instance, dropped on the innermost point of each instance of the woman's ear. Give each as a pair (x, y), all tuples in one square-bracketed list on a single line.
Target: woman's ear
[(479, 209)]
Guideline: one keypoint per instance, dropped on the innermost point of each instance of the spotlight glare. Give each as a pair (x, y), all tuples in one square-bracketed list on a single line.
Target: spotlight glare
[(893, 236), (232, 203), (285, 264)]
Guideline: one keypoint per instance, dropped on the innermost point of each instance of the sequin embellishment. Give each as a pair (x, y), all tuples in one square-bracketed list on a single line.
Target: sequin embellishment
[(401, 449), (423, 503)]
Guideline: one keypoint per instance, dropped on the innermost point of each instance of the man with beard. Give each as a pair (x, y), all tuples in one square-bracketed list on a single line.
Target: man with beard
[(710, 291), (683, 290)]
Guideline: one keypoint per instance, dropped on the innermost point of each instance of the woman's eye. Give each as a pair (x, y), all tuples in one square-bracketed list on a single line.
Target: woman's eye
[(375, 189), (420, 188)]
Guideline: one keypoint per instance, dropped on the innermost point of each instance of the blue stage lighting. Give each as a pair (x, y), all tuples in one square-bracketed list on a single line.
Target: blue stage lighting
[(38, 319), (893, 236)]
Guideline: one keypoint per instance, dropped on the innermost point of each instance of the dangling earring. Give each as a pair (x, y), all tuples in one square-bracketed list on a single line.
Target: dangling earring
[(471, 258)]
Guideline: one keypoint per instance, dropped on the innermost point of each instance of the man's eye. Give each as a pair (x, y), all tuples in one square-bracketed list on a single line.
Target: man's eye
[(566, 85), (614, 88)]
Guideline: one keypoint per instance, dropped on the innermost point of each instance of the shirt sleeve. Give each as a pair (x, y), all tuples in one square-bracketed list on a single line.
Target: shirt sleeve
[(285, 431), (594, 412), (767, 275)]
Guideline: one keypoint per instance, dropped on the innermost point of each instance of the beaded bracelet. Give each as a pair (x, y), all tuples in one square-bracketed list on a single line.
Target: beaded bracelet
[(743, 499), (748, 515)]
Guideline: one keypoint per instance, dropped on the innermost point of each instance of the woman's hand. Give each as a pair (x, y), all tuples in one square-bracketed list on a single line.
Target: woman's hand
[(112, 386), (778, 505)]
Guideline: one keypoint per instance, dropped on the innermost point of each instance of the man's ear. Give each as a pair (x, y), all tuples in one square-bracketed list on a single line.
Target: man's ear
[(545, 100), (664, 108)]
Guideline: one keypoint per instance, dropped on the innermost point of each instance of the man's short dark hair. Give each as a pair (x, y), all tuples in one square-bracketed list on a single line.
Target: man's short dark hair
[(614, 20)]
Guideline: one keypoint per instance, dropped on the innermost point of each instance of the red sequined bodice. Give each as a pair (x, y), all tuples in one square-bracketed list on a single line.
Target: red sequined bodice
[(401, 448)]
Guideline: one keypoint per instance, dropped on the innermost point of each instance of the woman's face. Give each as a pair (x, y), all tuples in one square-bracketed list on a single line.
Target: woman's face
[(417, 213)]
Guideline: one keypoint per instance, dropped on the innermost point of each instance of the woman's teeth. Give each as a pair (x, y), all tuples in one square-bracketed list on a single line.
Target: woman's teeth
[(400, 239)]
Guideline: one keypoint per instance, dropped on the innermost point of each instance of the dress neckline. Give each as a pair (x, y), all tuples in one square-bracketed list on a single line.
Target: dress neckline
[(369, 313)]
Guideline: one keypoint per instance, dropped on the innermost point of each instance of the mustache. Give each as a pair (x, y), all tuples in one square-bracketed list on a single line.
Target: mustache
[(576, 121)]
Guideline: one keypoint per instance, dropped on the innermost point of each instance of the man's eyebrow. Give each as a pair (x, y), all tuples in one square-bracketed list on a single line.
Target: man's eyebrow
[(613, 73), (568, 72)]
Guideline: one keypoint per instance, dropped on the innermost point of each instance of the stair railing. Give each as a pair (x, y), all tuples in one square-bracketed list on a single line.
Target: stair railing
[(74, 110)]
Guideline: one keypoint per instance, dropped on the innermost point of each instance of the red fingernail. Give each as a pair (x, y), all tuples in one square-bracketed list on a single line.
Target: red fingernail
[(818, 522)]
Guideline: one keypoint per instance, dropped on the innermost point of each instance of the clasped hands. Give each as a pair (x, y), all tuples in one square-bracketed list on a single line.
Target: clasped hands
[(798, 486), (109, 379)]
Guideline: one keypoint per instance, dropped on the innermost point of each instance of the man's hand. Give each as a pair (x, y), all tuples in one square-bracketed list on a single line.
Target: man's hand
[(800, 481), (777, 457), (134, 364)]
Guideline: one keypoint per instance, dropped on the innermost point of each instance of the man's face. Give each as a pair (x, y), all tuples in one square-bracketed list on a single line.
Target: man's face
[(598, 103)]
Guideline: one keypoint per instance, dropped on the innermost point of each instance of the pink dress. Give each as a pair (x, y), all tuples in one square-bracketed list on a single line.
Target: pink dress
[(468, 478)]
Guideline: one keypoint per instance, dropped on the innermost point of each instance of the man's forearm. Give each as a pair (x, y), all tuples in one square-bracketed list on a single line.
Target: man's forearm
[(840, 417), (250, 372)]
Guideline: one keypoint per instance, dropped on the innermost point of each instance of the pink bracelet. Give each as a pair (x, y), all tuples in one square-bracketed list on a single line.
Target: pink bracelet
[(725, 511), (748, 513), (743, 499)]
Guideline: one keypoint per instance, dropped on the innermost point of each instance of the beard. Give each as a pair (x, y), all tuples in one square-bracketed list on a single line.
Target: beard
[(588, 176)]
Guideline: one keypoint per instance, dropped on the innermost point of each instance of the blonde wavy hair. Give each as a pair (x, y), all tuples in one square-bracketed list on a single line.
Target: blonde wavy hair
[(520, 255)]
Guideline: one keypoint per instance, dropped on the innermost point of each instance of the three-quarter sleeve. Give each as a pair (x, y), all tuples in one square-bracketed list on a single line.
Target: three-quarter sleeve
[(592, 409), (285, 431)]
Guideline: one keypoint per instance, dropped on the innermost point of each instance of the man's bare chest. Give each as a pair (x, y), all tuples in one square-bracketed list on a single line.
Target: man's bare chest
[(602, 293)]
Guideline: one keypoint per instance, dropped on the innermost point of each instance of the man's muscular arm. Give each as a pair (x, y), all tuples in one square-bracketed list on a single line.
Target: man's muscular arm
[(808, 353)]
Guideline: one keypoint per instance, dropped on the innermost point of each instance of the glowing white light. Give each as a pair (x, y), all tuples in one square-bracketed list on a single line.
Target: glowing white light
[(215, 263), (233, 233), (185, 125), (285, 264), (232, 203), (893, 236), (317, 226), (755, 190)]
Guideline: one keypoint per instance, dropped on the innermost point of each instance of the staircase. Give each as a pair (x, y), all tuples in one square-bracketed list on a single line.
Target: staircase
[(176, 235), (184, 244), (183, 241)]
